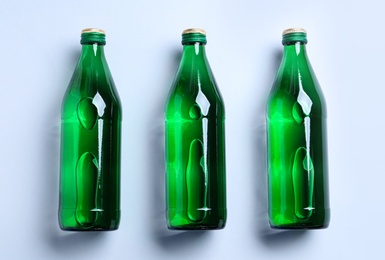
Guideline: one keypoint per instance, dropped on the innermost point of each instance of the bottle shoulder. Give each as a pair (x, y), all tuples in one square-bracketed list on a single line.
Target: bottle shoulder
[(96, 90), (194, 86), (91, 76), (202, 96), (296, 87), (283, 103), (93, 88), (292, 89), (193, 78), (296, 81), (207, 103)]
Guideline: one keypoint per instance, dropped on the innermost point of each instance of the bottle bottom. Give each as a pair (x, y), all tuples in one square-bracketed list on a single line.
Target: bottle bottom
[(299, 226), (197, 227), (319, 220), (90, 229), (101, 220), (212, 220)]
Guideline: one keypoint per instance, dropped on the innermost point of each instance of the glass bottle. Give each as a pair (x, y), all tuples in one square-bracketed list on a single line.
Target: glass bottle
[(90, 142), (195, 142), (297, 145)]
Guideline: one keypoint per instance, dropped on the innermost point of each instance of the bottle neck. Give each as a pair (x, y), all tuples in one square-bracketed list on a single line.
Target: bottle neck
[(93, 51), (194, 51), (194, 69), (295, 73), (295, 51)]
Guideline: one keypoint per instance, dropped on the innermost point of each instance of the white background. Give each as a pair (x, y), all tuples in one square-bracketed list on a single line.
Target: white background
[(39, 50)]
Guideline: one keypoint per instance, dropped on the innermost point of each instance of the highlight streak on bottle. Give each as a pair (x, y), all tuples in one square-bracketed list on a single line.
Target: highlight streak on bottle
[(86, 184), (196, 182), (303, 183)]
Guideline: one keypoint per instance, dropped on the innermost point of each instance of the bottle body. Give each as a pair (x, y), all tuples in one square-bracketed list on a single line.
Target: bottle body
[(90, 147), (195, 146), (297, 145)]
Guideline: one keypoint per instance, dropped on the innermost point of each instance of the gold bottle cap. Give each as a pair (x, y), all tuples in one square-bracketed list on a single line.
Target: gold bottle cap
[(194, 30), (293, 30), (89, 30)]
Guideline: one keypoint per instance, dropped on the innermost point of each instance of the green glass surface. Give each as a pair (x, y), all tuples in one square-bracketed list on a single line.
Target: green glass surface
[(195, 143), (90, 144), (297, 145)]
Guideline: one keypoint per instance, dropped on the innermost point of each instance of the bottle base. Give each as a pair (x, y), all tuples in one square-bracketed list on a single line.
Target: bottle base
[(88, 230), (72, 220), (298, 226), (196, 227), (179, 220)]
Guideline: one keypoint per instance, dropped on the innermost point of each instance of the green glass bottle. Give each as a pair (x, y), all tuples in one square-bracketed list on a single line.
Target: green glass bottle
[(195, 142), (297, 145), (90, 143)]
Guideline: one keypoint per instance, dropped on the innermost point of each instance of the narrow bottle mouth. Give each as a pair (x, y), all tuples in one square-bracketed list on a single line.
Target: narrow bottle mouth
[(293, 35), (92, 36), (193, 35)]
